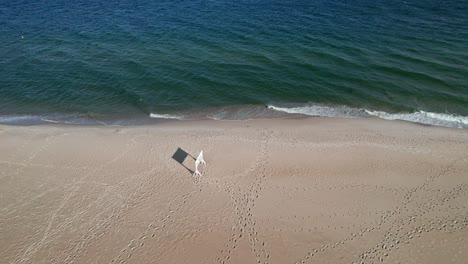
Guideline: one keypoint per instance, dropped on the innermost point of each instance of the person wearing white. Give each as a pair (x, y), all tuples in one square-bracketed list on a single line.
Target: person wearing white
[(199, 161)]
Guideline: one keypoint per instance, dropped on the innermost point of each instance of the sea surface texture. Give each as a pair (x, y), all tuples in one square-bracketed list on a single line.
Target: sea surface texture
[(129, 61)]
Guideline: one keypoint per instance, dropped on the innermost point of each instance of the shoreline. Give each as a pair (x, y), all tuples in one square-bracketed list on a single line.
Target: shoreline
[(155, 122), (238, 113), (318, 190), (168, 123)]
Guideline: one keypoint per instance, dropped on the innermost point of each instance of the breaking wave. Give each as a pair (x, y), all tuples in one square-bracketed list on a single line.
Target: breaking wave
[(166, 116), (422, 117), (435, 119), (319, 110)]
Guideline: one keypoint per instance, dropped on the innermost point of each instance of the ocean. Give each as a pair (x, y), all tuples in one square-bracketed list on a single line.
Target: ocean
[(133, 62)]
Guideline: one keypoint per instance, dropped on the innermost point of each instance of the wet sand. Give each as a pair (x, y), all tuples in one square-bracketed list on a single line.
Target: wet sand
[(316, 190)]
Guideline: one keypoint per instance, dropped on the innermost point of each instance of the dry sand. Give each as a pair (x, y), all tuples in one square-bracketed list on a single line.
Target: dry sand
[(319, 190)]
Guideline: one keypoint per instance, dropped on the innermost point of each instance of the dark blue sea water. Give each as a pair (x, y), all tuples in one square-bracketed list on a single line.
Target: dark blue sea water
[(121, 61)]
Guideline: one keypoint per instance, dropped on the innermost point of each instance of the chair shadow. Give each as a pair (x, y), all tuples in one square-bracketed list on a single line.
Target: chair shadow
[(180, 155)]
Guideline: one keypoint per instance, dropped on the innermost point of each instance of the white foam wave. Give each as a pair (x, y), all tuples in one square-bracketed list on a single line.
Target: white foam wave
[(165, 116), (320, 110), (428, 118), (17, 118), (50, 121), (22, 119), (436, 119)]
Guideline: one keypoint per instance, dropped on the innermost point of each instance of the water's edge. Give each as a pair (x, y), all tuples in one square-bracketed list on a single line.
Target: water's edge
[(239, 113)]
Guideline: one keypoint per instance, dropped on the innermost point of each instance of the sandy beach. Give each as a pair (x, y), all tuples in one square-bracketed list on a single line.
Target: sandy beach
[(315, 190)]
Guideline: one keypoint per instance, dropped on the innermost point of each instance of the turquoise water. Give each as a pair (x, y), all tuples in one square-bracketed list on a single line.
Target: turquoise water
[(126, 62)]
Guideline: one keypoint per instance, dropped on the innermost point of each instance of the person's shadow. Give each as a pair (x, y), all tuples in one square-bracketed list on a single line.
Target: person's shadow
[(180, 155)]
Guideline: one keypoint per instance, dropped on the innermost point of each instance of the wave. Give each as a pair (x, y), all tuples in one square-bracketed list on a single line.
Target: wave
[(34, 119), (320, 110), (20, 119), (65, 119), (422, 117), (166, 116), (428, 118)]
